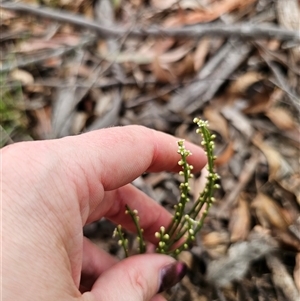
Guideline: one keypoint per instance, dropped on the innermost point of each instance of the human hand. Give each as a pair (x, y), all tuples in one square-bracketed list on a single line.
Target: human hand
[(51, 189)]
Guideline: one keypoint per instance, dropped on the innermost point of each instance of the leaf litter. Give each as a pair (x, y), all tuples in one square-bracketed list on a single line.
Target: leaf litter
[(149, 64)]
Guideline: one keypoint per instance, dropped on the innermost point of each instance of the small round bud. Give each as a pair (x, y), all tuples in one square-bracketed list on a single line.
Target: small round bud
[(157, 235), (180, 162), (161, 244)]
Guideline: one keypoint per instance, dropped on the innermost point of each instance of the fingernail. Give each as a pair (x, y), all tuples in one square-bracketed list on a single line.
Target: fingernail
[(171, 274)]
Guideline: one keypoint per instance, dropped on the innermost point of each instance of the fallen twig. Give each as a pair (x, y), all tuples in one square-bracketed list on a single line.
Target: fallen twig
[(282, 84), (216, 70), (38, 58), (245, 176), (281, 278), (242, 30)]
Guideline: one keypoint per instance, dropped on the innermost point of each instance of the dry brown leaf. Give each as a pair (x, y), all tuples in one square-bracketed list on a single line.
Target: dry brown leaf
[(274, 45), (192, 4), (279, 169), (166, 4), (37, 88), (43, 128), (297, 272), (216, 243), (184, 67), (269, 213), (21, 75), (199, 185), (243, 82), (212, 12), (287, 240), (292, 184), (262, 101), (217, 122), (187, 258), (104, 102), (288, 13), (32, 45), (159, 47), (226, 154), (79, 122), (175, 55), (273, 157), (6, 15), (53, 62), (201, 53), (162, 75), (138, 75), (66, 2), (178, 19), (282, 118), (239, 224), (31, 1), (214, 238)]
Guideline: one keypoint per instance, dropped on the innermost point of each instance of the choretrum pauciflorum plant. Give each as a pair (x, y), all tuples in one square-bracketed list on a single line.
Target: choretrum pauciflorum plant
[(185, 224)]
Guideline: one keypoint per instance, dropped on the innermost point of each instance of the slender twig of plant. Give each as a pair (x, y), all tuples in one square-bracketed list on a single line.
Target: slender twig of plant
[(181, 232), (123, 242), (140, 236)]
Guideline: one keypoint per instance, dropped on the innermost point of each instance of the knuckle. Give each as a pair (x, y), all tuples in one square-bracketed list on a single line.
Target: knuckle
[(139, 283)]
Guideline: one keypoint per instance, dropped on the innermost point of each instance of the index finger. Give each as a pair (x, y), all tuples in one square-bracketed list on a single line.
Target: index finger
[(116, 156)]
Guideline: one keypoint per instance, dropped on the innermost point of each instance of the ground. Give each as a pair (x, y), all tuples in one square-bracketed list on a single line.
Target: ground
[(160, 64)]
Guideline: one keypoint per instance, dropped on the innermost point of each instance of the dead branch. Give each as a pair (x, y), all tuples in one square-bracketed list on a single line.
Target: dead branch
[(242, 30), (38, 58)]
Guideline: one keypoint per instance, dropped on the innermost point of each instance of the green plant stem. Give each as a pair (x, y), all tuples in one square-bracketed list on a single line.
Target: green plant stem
[(134, 215), (122, 241), (183, 228)]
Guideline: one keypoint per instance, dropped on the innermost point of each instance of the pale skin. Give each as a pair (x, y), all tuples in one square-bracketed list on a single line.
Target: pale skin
[(51, 189)]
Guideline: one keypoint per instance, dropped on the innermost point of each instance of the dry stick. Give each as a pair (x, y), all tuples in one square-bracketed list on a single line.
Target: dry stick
[(65, 102), (245, 176), (243, 30), (104, 83), (53, 83), (211, 77), (282, 279), (282, 84), (104, 15), (38, 58), (12, 35)]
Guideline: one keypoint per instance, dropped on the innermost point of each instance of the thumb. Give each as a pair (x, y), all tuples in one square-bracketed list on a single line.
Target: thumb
[(138, 278)]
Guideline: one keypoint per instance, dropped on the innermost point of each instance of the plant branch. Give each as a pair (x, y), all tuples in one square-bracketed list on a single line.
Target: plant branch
[(242, 30)]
